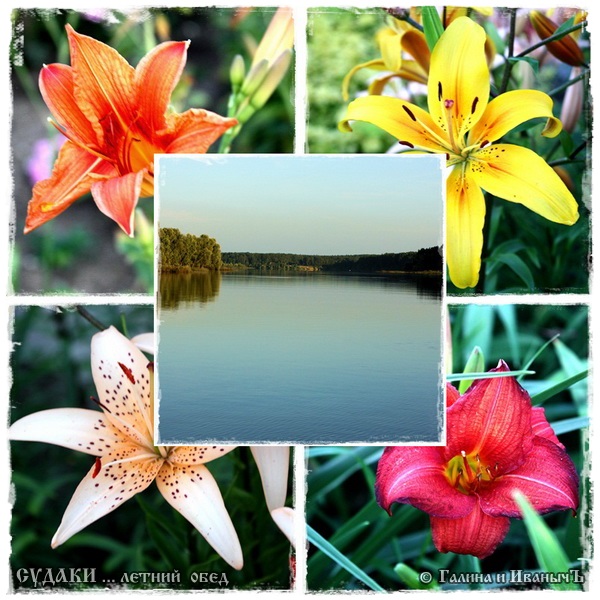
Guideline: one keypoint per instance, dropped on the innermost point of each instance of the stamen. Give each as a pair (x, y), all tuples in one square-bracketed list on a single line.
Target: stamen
[(439, 90), (448, 104), (406, 144), (97, 467), (96, 401), (468, 469), (484, 143), (474, 105)]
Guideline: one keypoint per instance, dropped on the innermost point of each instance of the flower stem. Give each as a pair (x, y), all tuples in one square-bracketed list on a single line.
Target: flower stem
[(89, 317), (489, 200), (566, 84), (511, 49)]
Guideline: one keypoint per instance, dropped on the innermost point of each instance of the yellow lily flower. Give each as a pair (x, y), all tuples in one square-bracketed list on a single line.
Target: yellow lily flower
[(463, 125)]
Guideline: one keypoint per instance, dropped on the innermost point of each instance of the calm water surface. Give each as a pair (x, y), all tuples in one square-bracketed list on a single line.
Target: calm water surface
[(302, 358)]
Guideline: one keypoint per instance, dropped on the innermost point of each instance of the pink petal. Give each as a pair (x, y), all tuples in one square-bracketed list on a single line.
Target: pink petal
[(127, 405), (117, 198), (273, 464), (415, 475), (195, 494), (285, 519), (548, 479), (541, 427), (76, 428), (101, 492), (477, 533), (145, 342), (492, 419)]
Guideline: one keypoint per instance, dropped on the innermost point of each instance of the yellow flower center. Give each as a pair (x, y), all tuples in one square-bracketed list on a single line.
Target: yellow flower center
[(468, 474)]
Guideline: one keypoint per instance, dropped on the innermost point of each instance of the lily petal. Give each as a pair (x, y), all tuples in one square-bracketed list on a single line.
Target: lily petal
[(492, 419), (124, 473), (519, 175), (548, 479), (103, 83), (541, 427), (57, 89), (70, 179), (284, 518), (407, 122), (117, 198), (87, 431), (195, 494), (413, 41), (465, 216), (459, 75), (477, 533), (116, 365), (452, 395), (195, 130), (197, 455), (273, 465), (415, 475), (145, 342), (155, 79), (508, 110)]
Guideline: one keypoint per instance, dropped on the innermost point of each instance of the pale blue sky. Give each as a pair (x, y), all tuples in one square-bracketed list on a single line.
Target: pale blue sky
[(355, 204)]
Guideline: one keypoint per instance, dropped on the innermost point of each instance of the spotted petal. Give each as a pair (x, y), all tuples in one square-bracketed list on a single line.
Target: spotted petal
[(195, 494), (507, 111), (87, 431), (519, 175), (122, 474), (273, 465), (284, 518), (197, 455), (465, 216), (459, 76), (121, 375)]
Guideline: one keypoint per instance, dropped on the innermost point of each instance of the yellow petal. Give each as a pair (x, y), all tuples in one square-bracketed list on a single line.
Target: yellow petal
[(459, 78), (507, 111), (465, 215), (411, 125), (377, 64), (414, 43), (390, 47), (519, 175)]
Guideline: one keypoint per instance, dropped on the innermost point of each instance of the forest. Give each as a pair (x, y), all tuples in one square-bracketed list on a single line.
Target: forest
[(181, 252), (185, 252), (423, 260)]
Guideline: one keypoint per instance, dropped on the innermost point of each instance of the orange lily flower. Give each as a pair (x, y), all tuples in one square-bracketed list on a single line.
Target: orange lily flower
[(115, 118)]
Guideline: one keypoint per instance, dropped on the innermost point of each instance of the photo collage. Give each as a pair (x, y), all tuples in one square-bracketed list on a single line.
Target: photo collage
[(299, 299)]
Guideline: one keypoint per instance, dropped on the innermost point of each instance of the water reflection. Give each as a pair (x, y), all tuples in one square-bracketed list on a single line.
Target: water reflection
[(188, 288), (204, 287)]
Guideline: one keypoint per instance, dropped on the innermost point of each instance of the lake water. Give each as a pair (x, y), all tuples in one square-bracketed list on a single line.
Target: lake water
[(299, 357)]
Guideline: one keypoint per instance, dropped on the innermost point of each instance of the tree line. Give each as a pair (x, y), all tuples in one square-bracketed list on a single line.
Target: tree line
[(188, 252), (423, 260)]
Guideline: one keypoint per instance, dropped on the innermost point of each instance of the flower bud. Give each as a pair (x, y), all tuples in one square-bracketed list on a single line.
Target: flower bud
[(565, 49)]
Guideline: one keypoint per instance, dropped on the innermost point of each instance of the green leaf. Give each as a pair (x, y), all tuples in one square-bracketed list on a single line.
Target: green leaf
[(549, 553), (475, 364), (432, 26), (486, 375), (564, 27), (414, 580), (559, 387), (508, 316), (566, 142), (573, 424), (518, 266), (344, 562), (532, 62)]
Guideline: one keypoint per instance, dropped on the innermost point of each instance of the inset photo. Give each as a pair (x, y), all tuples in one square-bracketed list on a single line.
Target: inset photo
[(96, 94), (300, 299), (504, 504), (97, 503), (503, 96)]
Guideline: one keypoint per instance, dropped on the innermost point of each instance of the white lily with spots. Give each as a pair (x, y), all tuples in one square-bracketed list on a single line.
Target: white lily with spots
[(121, 437)]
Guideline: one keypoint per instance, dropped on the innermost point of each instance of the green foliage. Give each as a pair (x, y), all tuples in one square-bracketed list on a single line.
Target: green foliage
[(185, 252), (51, 369), (394, 551)]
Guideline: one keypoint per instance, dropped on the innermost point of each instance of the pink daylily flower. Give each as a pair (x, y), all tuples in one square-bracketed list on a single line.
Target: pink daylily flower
[(497, 443)]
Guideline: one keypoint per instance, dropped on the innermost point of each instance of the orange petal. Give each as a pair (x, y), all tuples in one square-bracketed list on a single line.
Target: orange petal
[(195, 130), (103, 83), (156, 76), (56, 87), (117, 198), (70, 179), (565, 49)]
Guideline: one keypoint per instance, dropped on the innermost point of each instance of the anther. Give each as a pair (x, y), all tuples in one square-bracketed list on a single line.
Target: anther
[(409, 112), (96, 401), (127, 372), (97, 467), (474, 105), (406, 144), (439, 90)]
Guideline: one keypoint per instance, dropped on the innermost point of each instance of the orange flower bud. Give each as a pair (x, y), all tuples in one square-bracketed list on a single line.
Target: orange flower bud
[(565, 49)]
